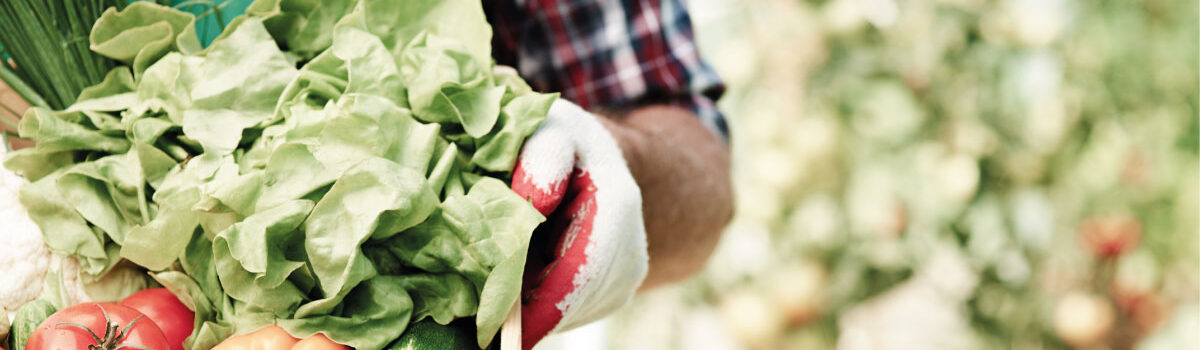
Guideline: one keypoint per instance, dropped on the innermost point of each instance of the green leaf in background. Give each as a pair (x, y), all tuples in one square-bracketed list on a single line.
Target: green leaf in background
[(211, 17)]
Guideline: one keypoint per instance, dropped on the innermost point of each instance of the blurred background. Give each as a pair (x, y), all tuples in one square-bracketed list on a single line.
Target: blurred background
[(953, 174)]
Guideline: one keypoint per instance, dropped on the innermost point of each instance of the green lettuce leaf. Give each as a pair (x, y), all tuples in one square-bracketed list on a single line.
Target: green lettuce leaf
[(397, 23), (305, 27), (207, 332), (34, 165), (376, 198), (142, 33), (374, 314), (333, 167), (370, 68), (240, 79), (65, 231), (255, 257), (118, 81), (56, 134), (519, 118), (443, 297), (483, 236)]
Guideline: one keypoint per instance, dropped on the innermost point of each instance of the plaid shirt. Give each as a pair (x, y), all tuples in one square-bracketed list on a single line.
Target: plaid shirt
[(608, 53)]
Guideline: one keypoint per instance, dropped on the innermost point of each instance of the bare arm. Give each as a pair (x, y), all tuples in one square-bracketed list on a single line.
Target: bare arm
[(687, 196)]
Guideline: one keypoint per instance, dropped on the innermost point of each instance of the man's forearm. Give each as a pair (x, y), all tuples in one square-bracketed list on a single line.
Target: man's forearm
[(687, 197)]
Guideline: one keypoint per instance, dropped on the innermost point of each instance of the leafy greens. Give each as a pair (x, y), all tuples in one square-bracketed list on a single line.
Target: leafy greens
[(331, 167)]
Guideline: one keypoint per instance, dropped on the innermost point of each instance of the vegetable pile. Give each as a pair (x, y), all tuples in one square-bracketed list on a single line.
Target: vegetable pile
[(332, 167)]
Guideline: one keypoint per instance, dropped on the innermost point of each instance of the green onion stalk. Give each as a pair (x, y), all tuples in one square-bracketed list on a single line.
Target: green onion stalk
[(47, 43)]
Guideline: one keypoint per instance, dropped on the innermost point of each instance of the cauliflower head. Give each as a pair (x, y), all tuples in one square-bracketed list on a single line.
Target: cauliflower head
[(25, 256)]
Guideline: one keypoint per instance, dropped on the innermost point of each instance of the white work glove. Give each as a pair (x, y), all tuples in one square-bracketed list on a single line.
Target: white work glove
[(589, 257)]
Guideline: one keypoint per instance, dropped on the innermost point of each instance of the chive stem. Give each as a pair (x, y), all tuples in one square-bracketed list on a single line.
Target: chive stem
[(48, 42), (24, 90)]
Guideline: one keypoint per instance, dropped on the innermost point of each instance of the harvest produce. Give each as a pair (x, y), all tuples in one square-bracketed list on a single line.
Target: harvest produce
[(429, 335), (335, 168), (97, 326), (27, 320), (26, 255), (275, 338), (167, 312), (41, 37)]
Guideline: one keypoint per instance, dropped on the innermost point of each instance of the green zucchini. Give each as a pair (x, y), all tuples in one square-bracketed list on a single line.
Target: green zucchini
[(429, 335)]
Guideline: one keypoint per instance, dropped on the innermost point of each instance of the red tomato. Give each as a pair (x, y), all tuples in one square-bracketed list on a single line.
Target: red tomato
[(99, 326), (161, 306)]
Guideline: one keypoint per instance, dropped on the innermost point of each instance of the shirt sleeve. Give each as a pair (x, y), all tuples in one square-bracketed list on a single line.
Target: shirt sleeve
[(608, 53)]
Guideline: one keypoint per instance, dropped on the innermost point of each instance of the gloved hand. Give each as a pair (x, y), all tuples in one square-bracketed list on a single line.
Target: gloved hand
[(589, 257)]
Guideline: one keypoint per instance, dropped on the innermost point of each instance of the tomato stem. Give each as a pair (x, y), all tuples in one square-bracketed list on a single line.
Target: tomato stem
[(113, 339), (85, 329)]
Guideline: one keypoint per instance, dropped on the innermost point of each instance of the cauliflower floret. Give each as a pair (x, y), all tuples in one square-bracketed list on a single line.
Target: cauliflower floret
[(25, 256), (69, 278)]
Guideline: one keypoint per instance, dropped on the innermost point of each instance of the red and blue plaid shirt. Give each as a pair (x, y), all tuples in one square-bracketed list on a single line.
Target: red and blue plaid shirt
[(608, 53)]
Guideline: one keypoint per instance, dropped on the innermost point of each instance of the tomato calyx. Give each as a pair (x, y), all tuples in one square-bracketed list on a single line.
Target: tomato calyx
[(113, 339)]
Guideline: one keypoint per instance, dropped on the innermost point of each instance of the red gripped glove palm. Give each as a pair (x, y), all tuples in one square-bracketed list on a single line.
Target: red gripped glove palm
[(589, 257)]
